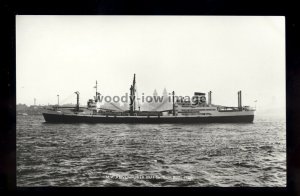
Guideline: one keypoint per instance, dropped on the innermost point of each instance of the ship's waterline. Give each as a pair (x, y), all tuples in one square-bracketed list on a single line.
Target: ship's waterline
[(65, 118)]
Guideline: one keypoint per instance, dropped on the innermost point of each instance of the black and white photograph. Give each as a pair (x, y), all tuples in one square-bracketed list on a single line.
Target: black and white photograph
[(150, 101)]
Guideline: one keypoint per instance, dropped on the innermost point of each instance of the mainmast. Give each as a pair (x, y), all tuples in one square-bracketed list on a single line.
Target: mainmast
[(132, 97)]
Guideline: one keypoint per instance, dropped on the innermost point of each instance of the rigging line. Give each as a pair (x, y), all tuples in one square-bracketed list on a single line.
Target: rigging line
[(116, 106), (67, 98), (137, 96)]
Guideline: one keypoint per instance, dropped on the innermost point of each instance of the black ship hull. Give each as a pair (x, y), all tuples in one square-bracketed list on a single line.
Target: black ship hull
[(61, 118)]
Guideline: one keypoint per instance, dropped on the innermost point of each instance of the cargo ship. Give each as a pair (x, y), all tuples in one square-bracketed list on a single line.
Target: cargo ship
[(200, 110)]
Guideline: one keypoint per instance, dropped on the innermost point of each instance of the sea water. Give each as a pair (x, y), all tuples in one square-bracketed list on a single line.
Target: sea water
[(252, 154)]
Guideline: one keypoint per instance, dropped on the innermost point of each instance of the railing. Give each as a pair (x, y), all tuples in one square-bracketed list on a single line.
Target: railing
[(235, 109), (228, 109)]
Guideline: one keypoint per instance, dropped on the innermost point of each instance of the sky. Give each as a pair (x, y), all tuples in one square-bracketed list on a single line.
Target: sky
[(58, 55)]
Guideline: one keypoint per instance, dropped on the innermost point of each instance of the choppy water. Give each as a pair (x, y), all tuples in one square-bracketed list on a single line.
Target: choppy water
[(150, 155)]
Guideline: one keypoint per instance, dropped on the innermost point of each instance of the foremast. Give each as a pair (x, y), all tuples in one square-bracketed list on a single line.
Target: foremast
[(97, 98)]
